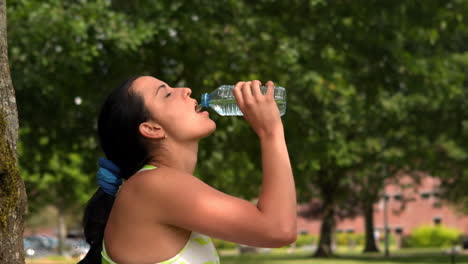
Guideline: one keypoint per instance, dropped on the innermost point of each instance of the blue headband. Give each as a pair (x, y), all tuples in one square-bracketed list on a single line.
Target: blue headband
[(108, 176)]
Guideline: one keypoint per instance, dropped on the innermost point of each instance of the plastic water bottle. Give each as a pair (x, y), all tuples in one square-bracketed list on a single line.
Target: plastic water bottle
[(222, 100)]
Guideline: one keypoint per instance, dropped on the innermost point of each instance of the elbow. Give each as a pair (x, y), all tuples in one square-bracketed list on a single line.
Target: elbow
[(289, 238), (285, 237)]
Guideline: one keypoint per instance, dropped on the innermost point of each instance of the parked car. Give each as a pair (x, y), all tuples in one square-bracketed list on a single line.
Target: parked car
[(38, 246), (77, 247), (28, 248)]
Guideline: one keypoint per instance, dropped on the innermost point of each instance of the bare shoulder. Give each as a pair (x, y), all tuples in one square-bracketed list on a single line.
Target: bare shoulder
[(162, 176), (182, 200), (161, 182)]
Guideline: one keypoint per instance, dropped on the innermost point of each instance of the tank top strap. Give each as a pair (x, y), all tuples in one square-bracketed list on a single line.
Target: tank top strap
[(105, 259), (147, 167)]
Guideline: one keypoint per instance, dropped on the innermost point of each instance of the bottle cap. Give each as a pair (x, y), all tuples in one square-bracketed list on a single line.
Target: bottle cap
[(205, 100)]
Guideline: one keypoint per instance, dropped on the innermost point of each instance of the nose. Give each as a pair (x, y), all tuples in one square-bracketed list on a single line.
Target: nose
[(187, 92)]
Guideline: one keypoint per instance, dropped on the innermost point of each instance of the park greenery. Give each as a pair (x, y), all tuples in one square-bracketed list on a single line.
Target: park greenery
[(281, 256), (425, 236), (374, 88), (432, 237)]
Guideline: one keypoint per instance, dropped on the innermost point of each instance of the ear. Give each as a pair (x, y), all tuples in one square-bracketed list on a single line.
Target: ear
[(151, 130)]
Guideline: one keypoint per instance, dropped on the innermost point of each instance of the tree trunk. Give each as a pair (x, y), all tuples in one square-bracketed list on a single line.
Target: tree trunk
[(324, 248), (12, 191), (62, 231), (369, 227)]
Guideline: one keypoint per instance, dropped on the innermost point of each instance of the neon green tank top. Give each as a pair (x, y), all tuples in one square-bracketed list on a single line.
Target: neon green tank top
[(199, 248)]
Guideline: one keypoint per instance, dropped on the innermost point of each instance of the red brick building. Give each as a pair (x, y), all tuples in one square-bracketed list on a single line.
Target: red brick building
[(407, 208)]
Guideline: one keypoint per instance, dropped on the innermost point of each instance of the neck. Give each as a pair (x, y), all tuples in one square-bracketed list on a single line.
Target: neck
[(181, 156)]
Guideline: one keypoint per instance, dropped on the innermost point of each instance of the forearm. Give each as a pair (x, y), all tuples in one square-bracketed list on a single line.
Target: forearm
[(277, 198)]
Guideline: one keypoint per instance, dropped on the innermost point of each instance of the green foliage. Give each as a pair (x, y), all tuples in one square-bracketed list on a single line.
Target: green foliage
[(366, 83), (221, 244), (433, 236), (56, 47), (306, 240), (350, 239)]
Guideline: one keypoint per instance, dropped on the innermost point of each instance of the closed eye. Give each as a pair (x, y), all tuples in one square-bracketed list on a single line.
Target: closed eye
[(169, 94)]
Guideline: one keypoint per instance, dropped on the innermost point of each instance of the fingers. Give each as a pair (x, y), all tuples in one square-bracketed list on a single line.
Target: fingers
[(270, 89), (247, 93), (256, 88), (238, 94)]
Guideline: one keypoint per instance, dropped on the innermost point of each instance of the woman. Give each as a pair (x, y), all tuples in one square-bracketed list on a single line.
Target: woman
[(149, 133)]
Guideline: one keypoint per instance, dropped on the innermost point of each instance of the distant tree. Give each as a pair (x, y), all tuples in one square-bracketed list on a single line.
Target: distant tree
[(445, 130), (372, 81)]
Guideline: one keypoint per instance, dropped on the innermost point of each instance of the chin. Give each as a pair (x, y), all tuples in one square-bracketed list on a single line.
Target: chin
[(210, 128)]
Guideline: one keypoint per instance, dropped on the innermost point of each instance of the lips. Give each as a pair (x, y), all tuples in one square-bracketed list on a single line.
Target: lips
[(197, 107)]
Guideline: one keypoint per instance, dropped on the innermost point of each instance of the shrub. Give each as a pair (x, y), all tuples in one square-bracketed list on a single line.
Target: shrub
[(305, 240), (392, 238), (432, 236), (347, 239), (221, 244), (406, 241)]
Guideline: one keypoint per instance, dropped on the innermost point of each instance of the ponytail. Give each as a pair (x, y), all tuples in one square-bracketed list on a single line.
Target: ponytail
[(94, 222), (121, 114)]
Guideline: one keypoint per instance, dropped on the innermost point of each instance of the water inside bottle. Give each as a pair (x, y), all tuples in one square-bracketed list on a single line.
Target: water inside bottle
[(229, 107), (222, 100)]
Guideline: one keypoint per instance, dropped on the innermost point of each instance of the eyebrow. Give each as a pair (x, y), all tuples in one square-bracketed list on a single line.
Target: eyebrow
[(157, 89)]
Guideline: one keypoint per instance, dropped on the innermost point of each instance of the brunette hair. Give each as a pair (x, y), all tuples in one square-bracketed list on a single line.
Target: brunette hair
[(121, 114)]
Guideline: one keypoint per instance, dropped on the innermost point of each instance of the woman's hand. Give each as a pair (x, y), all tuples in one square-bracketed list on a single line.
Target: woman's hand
[(259, 110)]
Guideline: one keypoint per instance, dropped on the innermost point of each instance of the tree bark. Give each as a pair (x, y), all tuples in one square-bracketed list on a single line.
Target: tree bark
[(12, 190), (370, 245), (327, 228)]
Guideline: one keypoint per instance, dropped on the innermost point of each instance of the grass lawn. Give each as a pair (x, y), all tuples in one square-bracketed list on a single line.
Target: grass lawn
[(280, 256), (418, 256)]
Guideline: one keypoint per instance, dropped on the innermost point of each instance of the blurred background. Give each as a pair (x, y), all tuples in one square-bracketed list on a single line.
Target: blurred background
[(376, 122)]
